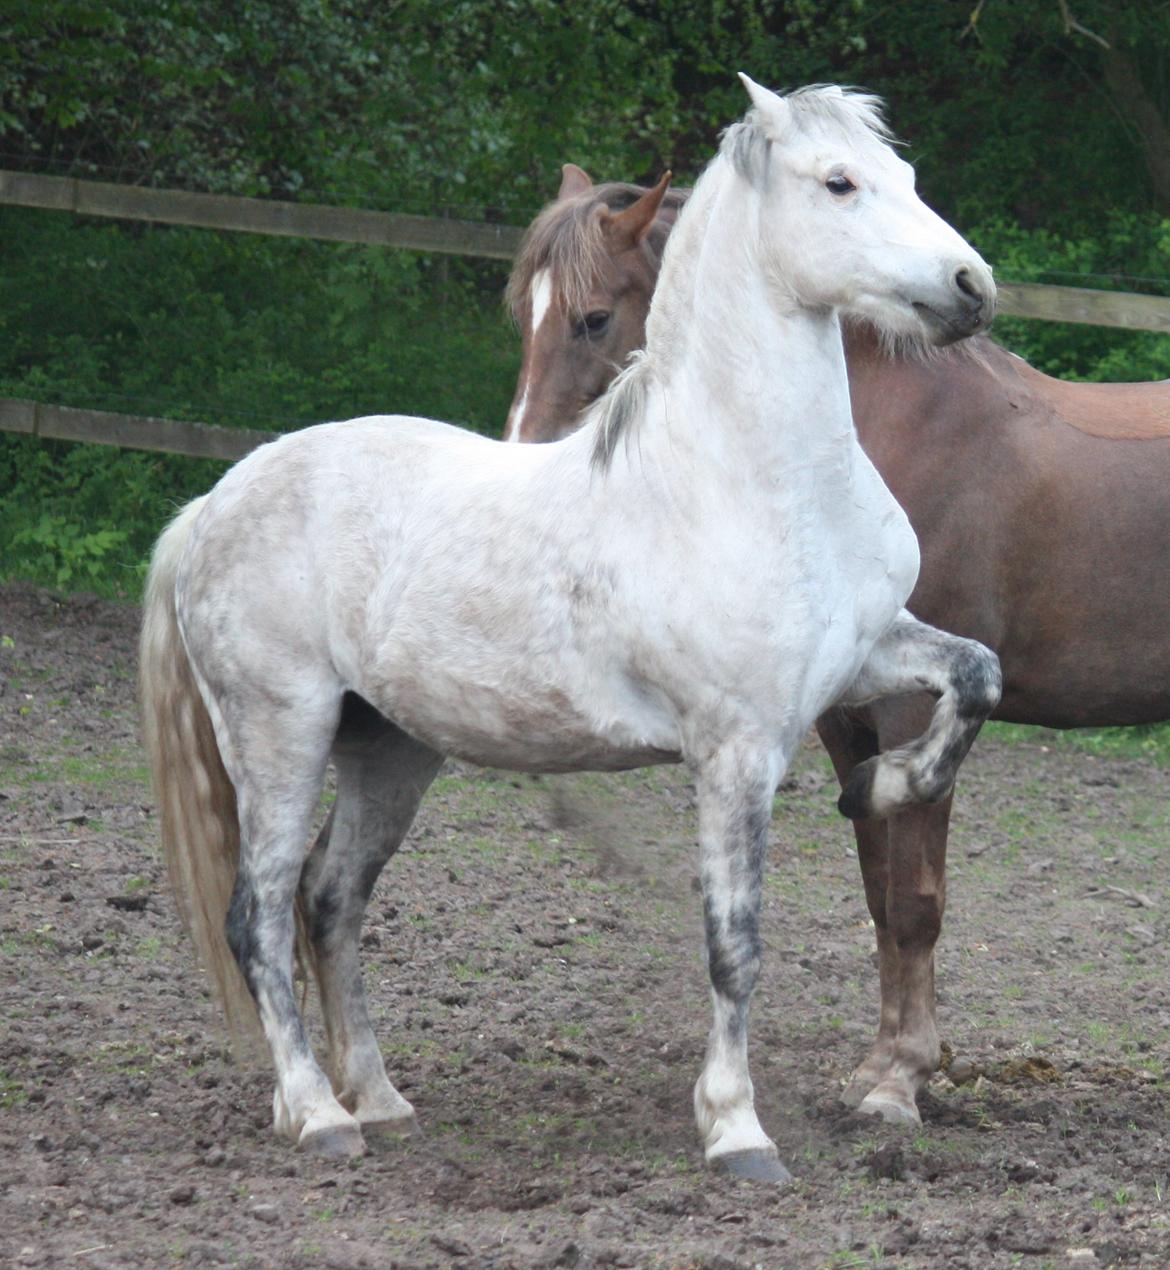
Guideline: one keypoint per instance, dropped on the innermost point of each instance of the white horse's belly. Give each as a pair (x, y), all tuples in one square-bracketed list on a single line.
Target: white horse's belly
[(507, 717)]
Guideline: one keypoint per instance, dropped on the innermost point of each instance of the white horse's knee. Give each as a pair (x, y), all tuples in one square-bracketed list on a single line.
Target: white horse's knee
[(978, 680)]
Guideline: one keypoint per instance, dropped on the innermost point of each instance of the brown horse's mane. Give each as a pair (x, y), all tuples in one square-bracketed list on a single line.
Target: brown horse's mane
[(567, 238)]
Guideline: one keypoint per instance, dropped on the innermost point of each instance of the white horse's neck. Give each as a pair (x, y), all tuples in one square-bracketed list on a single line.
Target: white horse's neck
[(743, 375)]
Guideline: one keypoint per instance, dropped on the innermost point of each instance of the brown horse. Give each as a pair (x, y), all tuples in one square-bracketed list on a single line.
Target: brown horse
[(1042, 510)]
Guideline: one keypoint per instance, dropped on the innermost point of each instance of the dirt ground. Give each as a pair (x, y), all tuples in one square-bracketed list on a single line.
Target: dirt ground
[(533, 957)]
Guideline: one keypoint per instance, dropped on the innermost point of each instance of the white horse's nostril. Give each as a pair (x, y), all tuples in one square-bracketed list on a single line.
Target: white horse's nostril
[(970, 288)]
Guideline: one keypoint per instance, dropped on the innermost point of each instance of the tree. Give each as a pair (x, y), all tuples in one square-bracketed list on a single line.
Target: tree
[(1119, 48)]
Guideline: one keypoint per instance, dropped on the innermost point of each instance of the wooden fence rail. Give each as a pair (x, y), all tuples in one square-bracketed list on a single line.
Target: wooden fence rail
[(1080, 304), (135, 432), (259, 216)]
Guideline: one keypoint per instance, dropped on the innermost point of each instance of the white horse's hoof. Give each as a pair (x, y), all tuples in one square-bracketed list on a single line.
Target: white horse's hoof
[(757, 1165), (892, 1110), (337, 1141)]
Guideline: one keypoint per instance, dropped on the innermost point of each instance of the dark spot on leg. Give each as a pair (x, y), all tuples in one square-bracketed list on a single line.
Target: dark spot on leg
[(323, 906), (733, 954), (978, 683), (240, 929)]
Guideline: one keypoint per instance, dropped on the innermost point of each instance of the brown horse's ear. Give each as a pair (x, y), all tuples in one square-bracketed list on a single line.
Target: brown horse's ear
[(629, 227), (574, 180)]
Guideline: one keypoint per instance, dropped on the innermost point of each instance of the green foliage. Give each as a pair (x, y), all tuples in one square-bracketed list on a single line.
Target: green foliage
[(78, 516), (56, 547)]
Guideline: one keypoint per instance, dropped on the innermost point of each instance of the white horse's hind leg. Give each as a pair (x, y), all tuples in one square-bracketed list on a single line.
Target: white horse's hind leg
[(382, 775), (913, 657), (735, 807), (277, 766)]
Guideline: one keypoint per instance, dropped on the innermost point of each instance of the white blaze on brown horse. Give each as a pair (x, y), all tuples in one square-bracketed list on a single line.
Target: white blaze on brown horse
[(1043, 517)]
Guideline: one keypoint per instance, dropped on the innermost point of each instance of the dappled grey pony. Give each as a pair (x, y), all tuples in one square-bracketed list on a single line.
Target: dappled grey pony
[(391, 590)]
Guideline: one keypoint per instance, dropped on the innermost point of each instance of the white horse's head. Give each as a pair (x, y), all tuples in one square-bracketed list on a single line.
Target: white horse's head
[(841, 225)]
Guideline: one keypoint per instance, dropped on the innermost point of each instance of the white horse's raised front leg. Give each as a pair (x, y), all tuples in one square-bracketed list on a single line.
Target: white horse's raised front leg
[(914, 657), (735, 791)]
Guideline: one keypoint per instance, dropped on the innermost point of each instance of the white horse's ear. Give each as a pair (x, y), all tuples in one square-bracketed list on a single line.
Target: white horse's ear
[(770, 105)]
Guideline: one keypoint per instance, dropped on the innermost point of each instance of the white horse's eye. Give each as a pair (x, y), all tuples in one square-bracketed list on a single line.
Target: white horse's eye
[(840, 185)]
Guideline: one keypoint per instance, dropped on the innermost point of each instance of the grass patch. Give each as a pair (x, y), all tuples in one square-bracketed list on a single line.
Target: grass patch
[(1146, 740), (12, 1091)]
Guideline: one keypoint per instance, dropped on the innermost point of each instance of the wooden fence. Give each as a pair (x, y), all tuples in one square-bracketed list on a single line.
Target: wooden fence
[(259, 216), (135, 432), (385, 229)]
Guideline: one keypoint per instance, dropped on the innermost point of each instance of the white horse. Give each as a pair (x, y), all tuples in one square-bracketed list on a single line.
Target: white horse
[(679, 581)]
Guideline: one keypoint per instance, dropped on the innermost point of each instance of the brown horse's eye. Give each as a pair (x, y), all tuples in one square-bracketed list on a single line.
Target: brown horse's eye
[(592, 324)]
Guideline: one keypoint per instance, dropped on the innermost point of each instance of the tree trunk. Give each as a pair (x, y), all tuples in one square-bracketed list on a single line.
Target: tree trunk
[(1123, 81)]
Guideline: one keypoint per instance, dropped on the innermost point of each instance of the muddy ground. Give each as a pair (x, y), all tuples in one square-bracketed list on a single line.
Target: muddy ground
[(534, 962)]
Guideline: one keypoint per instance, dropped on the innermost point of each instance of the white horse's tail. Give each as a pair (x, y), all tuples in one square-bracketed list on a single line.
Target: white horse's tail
[(196, 800)]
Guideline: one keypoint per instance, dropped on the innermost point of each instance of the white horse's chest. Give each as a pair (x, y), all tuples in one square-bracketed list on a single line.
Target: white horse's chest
[(823, 574)]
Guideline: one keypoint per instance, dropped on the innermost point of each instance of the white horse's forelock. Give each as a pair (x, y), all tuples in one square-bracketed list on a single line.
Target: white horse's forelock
[(862, 114)]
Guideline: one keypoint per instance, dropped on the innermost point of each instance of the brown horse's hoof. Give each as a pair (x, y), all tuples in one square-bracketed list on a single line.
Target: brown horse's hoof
[(892, 1111), (334, 1142), (757, 1166)]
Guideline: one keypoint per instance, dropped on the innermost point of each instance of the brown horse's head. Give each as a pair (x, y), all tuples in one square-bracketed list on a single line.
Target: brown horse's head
[(580, 291)]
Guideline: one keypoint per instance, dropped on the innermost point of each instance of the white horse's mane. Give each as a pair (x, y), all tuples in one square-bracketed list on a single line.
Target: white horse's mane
[(746, 146)]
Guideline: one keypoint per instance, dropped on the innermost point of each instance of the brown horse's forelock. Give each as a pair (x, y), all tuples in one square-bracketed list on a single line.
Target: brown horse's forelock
[(566, 238)]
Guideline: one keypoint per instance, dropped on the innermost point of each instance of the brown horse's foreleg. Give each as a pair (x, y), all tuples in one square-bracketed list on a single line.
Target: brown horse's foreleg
[(850, 737), (873, 856), (915, 901), (903, 866), (907, 1048)]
